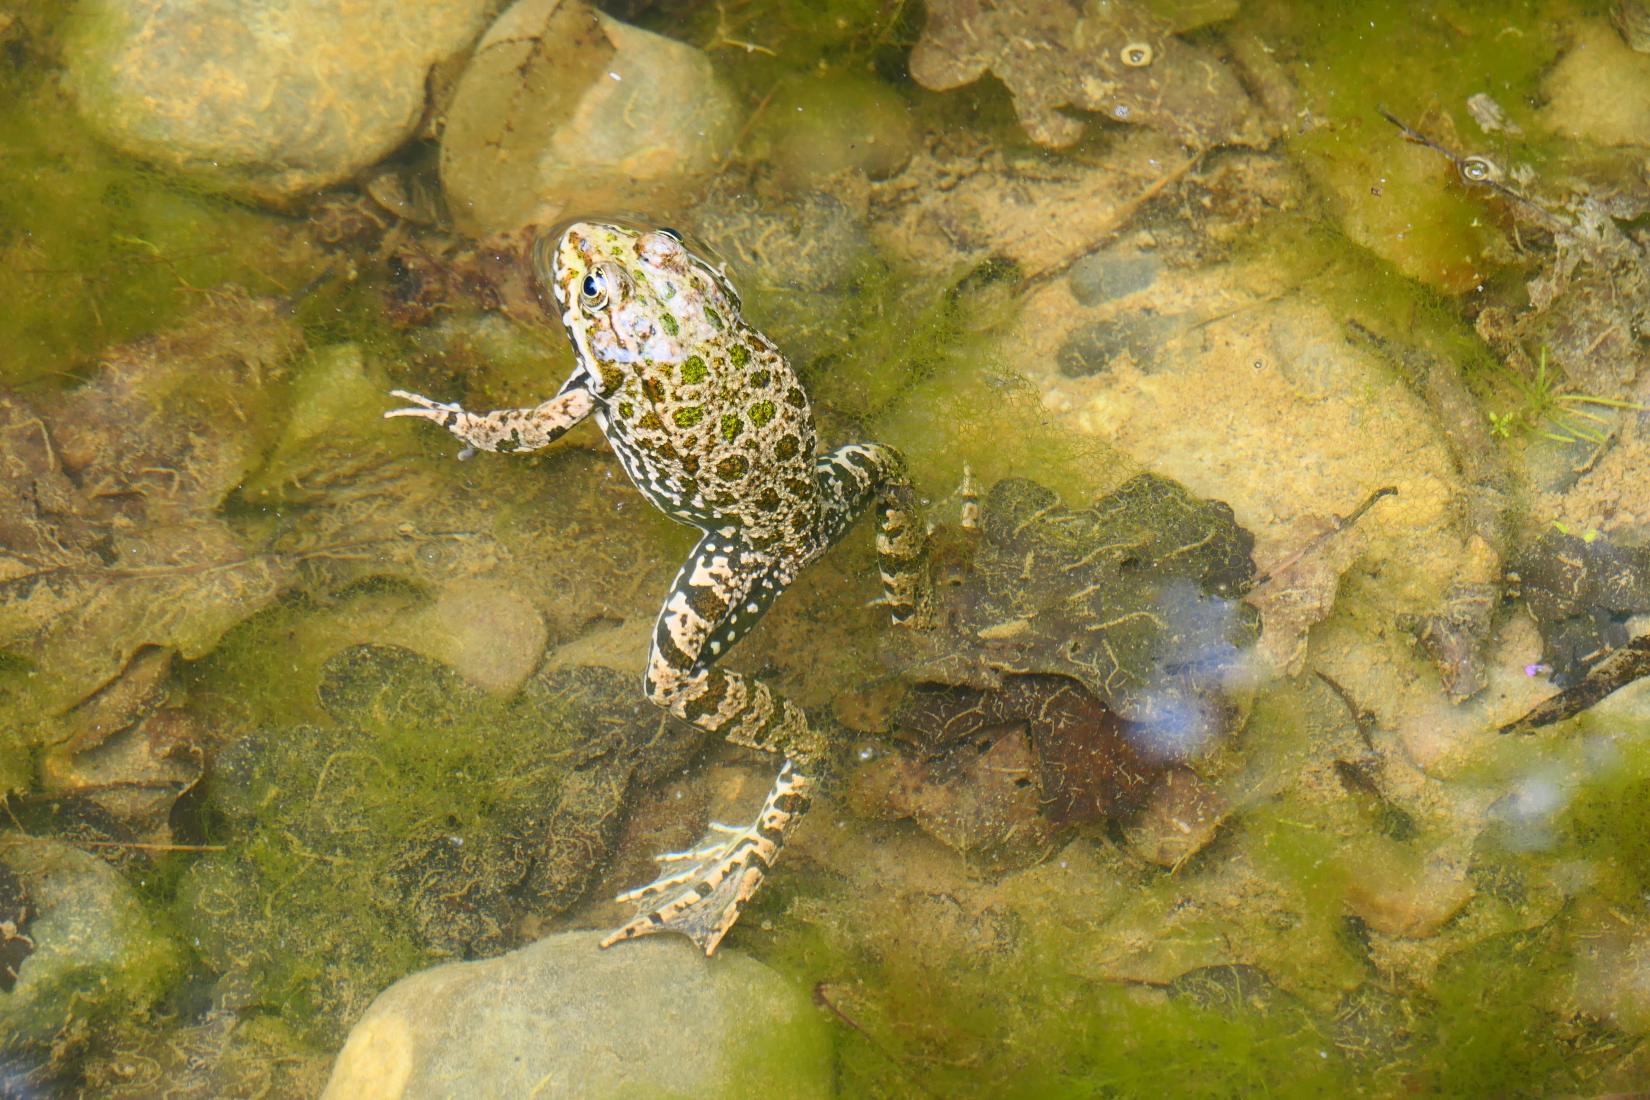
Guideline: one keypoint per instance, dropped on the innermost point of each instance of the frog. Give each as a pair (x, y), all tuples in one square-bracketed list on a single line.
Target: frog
[(712, 425)]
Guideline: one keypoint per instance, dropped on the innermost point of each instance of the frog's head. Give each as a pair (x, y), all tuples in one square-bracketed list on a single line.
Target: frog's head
[(632, 295)]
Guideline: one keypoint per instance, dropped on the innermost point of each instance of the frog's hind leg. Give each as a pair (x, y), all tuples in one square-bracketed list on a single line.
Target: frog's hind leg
[(850, 478), (719, 594)]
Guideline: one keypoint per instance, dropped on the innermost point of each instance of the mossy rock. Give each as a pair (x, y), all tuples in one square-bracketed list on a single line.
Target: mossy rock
[(97, 956)]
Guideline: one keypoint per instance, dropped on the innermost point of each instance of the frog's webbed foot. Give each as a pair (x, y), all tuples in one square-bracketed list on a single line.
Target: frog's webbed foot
[(702, 890)]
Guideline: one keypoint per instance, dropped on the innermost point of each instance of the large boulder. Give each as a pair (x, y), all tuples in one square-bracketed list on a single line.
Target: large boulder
[(264, 98), (562, 1018)]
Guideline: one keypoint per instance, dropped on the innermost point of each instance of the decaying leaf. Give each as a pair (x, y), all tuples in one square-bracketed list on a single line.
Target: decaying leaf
[(1581, 594), (1115, 58), (1083, 765), (1137, 598), (110, 538), (1589, 304), (1300, 591)]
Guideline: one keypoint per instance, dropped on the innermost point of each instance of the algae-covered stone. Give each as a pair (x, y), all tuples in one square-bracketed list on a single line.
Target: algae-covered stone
[(267, 99), (817, 126), (564, 1019), (1119, 59), (96, 953), (564, 105)]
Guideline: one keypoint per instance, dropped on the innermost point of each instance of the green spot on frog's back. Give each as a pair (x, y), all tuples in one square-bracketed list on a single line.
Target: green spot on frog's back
[(688, 416), (731, 426), (739, 354), (713, 317), (762, 412), (668, 323), (694, 369)]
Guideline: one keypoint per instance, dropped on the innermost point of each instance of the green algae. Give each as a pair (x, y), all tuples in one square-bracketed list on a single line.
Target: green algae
[(1022, 1021), (1403, 201), (317, 896), (99, 249)]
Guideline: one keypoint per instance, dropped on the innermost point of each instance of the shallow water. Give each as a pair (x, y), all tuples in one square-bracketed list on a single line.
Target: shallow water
[(1274, 381)]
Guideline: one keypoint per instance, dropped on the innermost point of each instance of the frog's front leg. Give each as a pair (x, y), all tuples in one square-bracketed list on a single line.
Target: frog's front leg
[(506, 430), (718, 595)]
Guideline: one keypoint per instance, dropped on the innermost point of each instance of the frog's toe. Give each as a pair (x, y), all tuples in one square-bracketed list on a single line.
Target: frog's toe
[(703, 899), (439, 411)]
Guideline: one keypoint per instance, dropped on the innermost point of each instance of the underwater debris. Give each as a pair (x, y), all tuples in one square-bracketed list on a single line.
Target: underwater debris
[(1490, 117), (1231, 989), (1137, 597), (1581, 593), (1181, 817), (1118, 59), (1620, 668), (1589, 304), (126, 751), (1084, 767), (1457, 634), (1103, 645), (1299, 591)]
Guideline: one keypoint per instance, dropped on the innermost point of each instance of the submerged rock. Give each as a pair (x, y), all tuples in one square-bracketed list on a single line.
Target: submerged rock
[(1600, 90), (93, 954), (269, 99), (564, 1019), (563, 104), (819, 125)]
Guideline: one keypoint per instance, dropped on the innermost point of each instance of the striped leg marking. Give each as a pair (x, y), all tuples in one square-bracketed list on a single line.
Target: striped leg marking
[(704, 898), (718, 595)]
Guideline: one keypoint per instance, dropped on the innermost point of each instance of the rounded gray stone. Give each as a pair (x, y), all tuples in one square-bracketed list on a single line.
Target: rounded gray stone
[(266, 98), (562, 1018)]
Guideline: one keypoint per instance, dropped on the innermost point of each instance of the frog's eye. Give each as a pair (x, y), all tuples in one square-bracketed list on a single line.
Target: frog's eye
[(673, 234), (593, 291)]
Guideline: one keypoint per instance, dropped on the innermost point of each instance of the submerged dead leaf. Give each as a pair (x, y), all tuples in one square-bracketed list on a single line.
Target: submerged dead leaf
[(1137, 598), (1115, 58), (110, 537), (1085, 768)]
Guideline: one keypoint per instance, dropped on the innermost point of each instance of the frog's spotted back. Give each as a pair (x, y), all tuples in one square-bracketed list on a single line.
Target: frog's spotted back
[(710, 422), (704, 412)]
